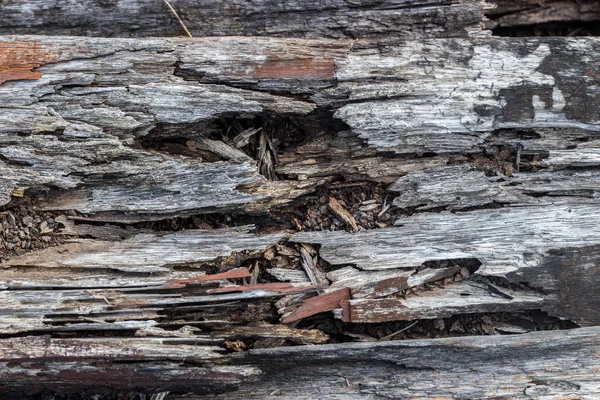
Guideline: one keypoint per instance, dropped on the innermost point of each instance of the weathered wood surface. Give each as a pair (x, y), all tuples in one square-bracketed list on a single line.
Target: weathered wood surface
[(307, 19), (469, 172), (403, 19), (539, 365), (94, 100), (85, 116)]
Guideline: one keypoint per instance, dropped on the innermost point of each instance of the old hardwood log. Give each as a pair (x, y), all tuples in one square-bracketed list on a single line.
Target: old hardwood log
[(170, 202), (297, 18), (541, 364)]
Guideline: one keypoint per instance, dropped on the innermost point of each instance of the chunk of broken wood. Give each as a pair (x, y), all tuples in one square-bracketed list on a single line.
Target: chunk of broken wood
[(342, 214), (319, 304), (219, 148)]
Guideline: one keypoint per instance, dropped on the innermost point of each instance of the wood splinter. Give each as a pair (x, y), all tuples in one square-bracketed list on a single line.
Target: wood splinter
[(342, 214)]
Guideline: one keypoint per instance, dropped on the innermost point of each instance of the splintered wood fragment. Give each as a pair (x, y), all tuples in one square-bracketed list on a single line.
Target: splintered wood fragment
[(255, 273), (319, 304), (314, 273), (300, 336), (374, 284), (18, 192), (274, 287), (288, 275), (102, 232), (243, 138), (219, 148), (463, 186), (458, 298), (231, 274), (342, 214), (266, 156)]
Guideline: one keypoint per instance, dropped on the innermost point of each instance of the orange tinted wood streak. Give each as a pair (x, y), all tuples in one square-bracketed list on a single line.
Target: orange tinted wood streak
[(234, 273), (346, 316), (272, 287), (18, 59), (296, 69), (319, 304)]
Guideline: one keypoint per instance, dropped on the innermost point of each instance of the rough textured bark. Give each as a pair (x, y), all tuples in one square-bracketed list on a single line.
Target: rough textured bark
[(544, 364), (306, 19)]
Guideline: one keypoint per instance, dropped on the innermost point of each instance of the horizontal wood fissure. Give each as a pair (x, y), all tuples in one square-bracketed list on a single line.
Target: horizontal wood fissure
[(96, 99)]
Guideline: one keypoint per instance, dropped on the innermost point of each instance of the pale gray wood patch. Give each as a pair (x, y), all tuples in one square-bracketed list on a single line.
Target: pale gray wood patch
[(449, 94), (462, 186), (150, 252), (531, 231)]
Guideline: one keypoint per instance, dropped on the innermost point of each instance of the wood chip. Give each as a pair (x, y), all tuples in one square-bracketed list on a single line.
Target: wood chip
[(316, 276), (342, 214), (219, 148), (234, 273), (243, 138), (319, 304), (18, 192)]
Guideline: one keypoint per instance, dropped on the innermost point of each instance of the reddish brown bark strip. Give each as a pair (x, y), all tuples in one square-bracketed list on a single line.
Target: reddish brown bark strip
[(276, 287), (19, 58), (319, 304), (234, 273), (296, 69)]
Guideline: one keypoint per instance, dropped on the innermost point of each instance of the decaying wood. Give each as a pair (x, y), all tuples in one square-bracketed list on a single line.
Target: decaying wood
[(307, 19), (91, 100), (149, 252), (548, 364), (462, 166), (535, 233), (460, 187), (85, 105)]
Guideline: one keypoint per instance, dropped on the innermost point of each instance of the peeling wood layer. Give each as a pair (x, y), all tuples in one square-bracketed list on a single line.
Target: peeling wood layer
[(149, 252), (534, 234), (99, 98), (469, 167)]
